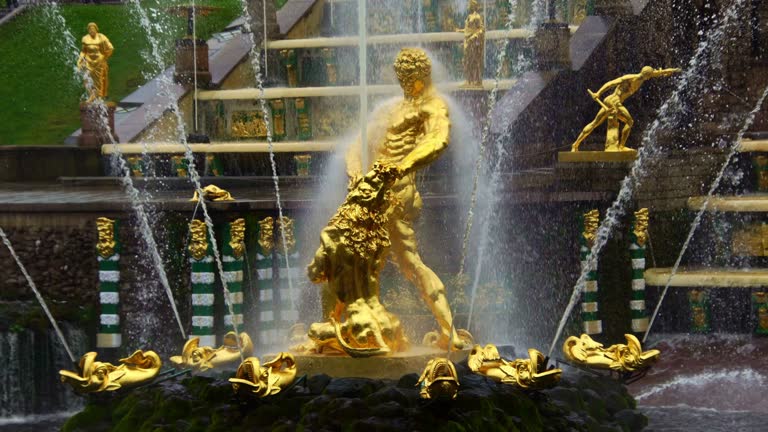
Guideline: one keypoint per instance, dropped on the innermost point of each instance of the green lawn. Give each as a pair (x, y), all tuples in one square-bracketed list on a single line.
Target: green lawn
[(38, 94)]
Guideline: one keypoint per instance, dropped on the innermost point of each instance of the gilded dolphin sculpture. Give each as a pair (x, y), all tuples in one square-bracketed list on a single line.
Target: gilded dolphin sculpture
[(203, 358), (141, 367), (530, 374), (253, 379), (619, 357), (439, 379), (213, 193)]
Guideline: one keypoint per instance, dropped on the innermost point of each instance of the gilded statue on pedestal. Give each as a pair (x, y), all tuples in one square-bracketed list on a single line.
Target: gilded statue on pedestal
[(474, 46), (531, 373), (612, 107), (94, 376), (619, 357), (96, 50), (417, 132)]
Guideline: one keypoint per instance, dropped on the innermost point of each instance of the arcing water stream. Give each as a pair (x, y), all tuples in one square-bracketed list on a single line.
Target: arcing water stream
[(53, 14), (697, 221), (39, 297), (691, 82), (500, 156), (256, 65)]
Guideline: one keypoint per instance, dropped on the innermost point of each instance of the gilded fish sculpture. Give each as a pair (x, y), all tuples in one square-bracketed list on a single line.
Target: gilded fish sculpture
[(587, 352), (202, 358), (529, 374), (95, 376), (254, 379), (439, 380)]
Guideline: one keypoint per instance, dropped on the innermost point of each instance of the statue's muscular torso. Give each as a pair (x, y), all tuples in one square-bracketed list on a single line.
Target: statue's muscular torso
[(417, 133)]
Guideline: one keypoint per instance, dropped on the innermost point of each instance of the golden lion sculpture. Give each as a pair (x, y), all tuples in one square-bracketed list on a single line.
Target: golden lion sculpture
[(352, 252)]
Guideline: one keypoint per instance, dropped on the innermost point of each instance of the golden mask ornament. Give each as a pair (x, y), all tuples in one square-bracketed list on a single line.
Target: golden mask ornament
[(619, 357), (641, 226), (529, 374), (106, 230), (256, 380), (591, 223), (94, 376), (285, 228), (204, 358), (198, 240), (213, 193), (439, 380), (267, 235), (237, 237)]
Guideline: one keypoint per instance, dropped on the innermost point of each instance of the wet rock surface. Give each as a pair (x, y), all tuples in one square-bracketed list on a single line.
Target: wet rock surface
[(321, 403)]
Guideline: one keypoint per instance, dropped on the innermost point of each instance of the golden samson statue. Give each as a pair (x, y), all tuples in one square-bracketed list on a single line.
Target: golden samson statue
[(612, 107), (93, 58), (416, 131)]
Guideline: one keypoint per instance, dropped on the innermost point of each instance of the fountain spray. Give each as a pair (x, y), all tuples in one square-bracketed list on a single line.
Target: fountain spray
[(256, 64), (706, 53), (697, 221), (501, 56), (54, 14), (32, 285), (192, 169)]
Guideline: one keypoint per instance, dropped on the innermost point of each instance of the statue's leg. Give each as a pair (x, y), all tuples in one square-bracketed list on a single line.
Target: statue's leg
[(601, 116), (628, 123), (406, 255)]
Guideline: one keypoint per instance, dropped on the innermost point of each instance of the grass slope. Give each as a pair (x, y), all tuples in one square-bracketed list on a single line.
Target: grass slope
[(39, 93)]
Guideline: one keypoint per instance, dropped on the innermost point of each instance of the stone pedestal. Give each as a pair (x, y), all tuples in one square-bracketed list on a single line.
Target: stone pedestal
[(613, 8), (628, 155), (94, 131), (381, 367), (551, 46), (185, 62)]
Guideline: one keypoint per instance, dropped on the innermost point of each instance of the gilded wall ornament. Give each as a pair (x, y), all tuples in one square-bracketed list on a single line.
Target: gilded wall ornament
[(198, 241), (640, 227), (106, 230), (237, 237)]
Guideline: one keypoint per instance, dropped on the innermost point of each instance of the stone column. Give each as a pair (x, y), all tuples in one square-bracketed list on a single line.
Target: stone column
[(638, 236), (185, 62), (590, 301), (267, 327), (108, 248), (613, 8), (203, 279), (97, 124), (233, 249), (256, 11), (551, 46)]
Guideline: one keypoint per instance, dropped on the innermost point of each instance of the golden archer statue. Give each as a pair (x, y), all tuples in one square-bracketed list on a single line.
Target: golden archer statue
[(93, 57), (417, 132), (474, 46), (613, 110)]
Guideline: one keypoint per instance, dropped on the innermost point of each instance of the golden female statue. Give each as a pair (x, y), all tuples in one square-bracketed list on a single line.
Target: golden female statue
[(417, 132), (93, 57), (474, 46)]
